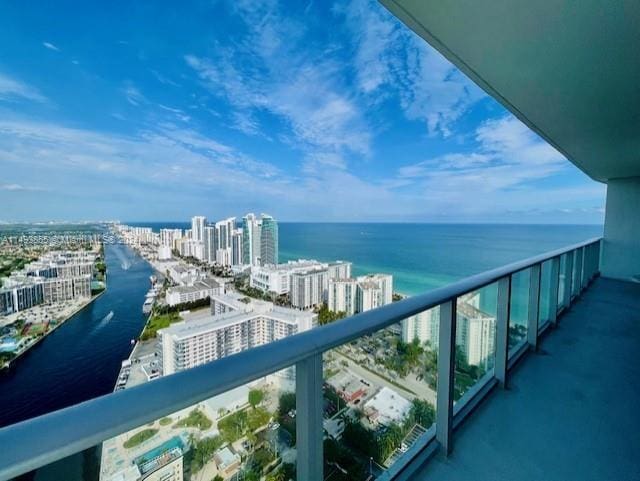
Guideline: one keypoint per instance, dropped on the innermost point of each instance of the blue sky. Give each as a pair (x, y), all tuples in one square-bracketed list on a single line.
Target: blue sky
[(310, 111)]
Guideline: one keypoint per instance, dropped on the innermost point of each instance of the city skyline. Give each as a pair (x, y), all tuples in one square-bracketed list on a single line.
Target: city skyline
[(199, 111)]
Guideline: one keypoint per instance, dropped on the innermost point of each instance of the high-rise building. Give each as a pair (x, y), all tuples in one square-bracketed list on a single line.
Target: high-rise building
[(197, 228), (475, 332), (237, 248), (224, 233), (210, 243), (268, 241), (424, 326), (251, 240), (308, 288), (360, 294), (168, 237), (341, 296), (339, 270), (189, 344)]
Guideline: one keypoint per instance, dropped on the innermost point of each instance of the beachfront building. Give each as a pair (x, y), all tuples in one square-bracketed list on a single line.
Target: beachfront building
[(339, 270), (277, 278), (189, 344), (360, 294), (198, 223), (308, 287), (168, 237), (475, 332), (424, 326), (237, 258), (268, 241), (251, 232), (342, 295), (200, 289), (209, 244)]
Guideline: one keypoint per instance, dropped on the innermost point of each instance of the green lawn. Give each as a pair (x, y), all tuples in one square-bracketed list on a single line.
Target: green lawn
[(139, 438), (165, 421), (159, 322), (195, 419)]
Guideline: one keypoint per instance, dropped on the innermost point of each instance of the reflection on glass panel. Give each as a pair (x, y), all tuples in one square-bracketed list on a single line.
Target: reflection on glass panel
[(475, 338), (520, 282), (545, 294), (379, 397), (562, 281), (245, 433)]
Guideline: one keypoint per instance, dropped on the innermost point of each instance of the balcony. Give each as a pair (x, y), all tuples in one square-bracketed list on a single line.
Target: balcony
[(558, 296), (570, 411)]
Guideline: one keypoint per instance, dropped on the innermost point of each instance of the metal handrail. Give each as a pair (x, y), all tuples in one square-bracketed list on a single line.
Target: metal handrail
[(36, 442)]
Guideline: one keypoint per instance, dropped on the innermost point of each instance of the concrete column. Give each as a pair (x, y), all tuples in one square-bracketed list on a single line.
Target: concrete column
[(446, 373), (621, 246), (309, 427)]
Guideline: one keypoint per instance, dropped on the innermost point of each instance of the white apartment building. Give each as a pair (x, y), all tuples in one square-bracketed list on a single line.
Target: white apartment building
[(168, 237), (424, 326), (277, 278), (209, 244), (251, 239), (200, 289), (191, 248), (342, 295), (237, 258), (192, 343), (339, 270), (475, 332), (308, 287), (360, 294), (197, 228)]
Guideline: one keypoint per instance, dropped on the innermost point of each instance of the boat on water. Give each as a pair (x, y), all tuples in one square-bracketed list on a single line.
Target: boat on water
[(108, 317)]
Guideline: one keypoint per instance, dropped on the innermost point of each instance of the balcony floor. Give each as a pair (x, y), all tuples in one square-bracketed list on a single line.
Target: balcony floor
[(572, 411)]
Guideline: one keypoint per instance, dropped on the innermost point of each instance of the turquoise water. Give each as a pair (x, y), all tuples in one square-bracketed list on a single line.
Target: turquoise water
[(425, 256)]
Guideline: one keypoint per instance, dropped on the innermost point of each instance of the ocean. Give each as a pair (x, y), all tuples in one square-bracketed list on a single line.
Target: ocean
[(420, 256)]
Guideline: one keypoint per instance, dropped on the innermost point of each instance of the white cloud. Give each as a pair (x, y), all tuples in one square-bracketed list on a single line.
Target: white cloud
[(50, 46), (271, 70), (133, 95), (13, 89), (19, 188), (390, 58)]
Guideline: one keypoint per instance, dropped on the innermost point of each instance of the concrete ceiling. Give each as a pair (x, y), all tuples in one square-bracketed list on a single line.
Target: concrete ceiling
[(570, 70)]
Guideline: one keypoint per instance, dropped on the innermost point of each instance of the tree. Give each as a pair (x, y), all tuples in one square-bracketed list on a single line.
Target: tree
[(256, 396), (422, 413)]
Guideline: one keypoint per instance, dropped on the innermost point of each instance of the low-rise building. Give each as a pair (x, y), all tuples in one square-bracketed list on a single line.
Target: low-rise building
[(387, 407), (200, 289)]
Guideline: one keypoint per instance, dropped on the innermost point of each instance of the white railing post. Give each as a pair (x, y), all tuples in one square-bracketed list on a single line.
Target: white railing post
[(568, 280), (555, 286), (533, 316), (309, 427), (446, 375), (502, 329)]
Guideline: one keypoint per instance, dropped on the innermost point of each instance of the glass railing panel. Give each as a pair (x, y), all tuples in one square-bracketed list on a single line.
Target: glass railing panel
[(245, 433), (562, 281), (546, 308), (475, 340), (575, 273), (380, 397), (519, 311)]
